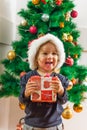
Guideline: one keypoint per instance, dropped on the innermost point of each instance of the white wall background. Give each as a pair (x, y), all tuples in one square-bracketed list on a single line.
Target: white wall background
[(10, 113), (7, 20)]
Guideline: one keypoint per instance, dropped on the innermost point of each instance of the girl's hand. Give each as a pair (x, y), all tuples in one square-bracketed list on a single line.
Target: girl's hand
[(57, 87), (30, 88)]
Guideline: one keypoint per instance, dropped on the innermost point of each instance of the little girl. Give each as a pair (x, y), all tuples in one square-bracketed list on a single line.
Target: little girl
[(46, 55)]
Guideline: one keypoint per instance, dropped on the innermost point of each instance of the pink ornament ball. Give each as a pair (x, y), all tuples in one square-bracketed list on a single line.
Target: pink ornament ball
[(33, 29)]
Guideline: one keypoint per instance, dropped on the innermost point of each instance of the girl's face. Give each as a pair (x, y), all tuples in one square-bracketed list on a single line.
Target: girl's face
[(47, 57)]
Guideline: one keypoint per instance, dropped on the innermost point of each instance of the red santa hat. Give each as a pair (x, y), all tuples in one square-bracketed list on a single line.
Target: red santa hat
[(34, 47)]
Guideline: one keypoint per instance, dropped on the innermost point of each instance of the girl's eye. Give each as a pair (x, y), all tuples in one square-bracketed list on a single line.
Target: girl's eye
[(54, 53), (44, 53)]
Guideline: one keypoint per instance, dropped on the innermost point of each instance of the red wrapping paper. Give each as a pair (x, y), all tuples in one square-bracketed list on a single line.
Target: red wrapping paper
[(44, 93)]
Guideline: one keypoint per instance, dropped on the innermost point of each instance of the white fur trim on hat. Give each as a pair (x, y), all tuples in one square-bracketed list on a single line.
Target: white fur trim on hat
[(34, 46)]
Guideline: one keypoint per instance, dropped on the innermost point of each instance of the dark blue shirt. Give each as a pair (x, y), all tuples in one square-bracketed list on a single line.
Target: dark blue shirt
[(44, 114)]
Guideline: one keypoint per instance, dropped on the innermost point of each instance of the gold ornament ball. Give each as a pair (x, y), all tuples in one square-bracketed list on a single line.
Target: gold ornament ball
[(24, 23), (35, 2), (69, 86), (67, 113), (40, 35), (70, 38), (11, 55), (61, 24), (22, 106), (77, 107), (74, 81), (76, 56)]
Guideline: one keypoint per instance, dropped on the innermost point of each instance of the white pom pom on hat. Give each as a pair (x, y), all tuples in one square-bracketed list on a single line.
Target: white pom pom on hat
[(35, 44)]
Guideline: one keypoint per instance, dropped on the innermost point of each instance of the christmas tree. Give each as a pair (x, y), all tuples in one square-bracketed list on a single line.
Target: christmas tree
[(42, 17)]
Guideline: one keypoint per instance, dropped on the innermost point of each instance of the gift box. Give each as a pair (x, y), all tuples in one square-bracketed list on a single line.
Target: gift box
[(44, 92)]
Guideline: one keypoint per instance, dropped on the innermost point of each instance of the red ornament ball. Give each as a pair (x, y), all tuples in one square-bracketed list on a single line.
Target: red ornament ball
[(29, 43), (43, 1), (58, 2), (19, 127), (75, 43), (22, 74), (74, 14), (33, 29), (69, 61)]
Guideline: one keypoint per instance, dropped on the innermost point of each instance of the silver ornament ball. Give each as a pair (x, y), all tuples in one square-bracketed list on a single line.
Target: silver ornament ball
[(45, 17)]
